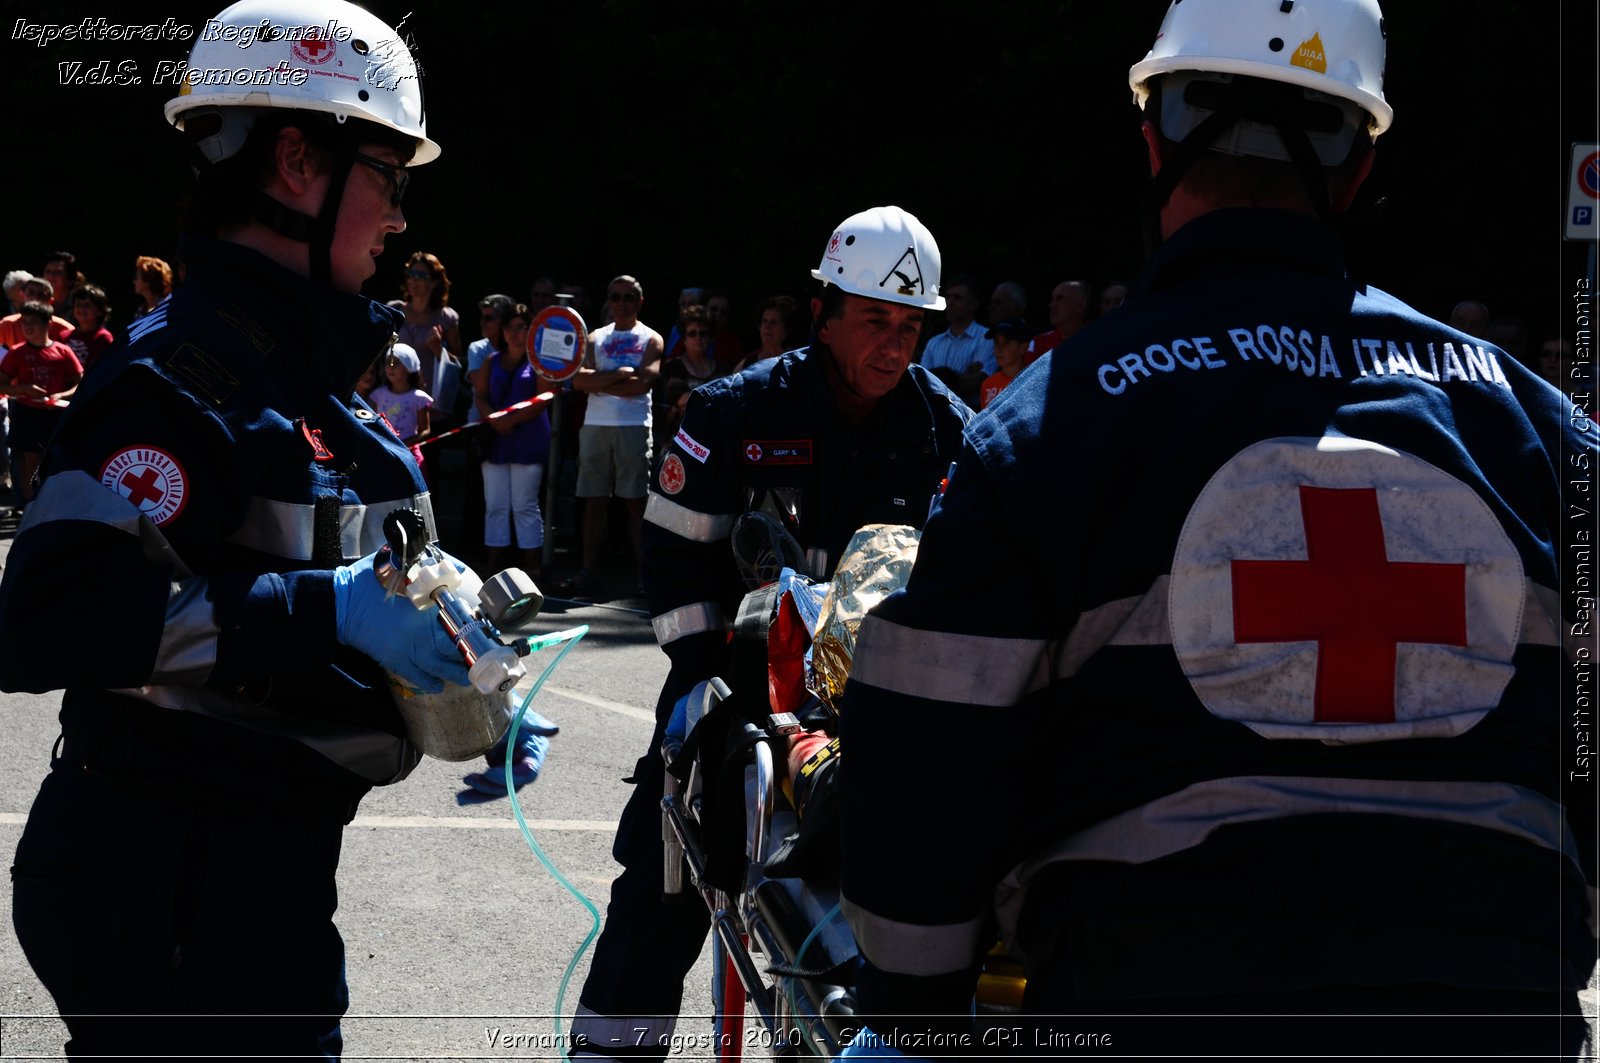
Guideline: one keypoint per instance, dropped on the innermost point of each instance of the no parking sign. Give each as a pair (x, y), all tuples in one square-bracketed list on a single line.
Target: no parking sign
[(557, 342), (1583, 193)]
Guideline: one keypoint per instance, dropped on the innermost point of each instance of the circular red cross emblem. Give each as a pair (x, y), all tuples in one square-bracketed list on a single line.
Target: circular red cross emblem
[(672, 474), (752, 452), (150, 478), (314, 48)]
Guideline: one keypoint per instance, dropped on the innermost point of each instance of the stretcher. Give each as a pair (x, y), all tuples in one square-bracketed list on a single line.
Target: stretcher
[(728, 805), (792, 926)]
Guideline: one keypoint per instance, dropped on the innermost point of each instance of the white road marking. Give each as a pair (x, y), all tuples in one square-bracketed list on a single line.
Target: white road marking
[(432, 823), (602, 703), (476, 823)]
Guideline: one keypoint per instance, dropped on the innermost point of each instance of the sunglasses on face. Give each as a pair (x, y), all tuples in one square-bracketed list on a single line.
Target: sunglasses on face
[(623, 297), (399, 177), (488, 319), (419, 274), (696, 334)]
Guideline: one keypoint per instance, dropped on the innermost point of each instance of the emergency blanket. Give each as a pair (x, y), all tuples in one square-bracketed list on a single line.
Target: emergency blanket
[(877, 563)]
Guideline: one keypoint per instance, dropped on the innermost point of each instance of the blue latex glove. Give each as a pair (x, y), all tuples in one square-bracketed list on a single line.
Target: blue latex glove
[(533, 742), (530, 731), (868, 1045), (686, 712), (408, 641)]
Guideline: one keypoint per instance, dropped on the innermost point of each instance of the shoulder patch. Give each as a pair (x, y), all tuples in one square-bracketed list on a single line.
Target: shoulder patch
[(698, 451), (202, 372), (151, 479), (673, 475), (234, 315)]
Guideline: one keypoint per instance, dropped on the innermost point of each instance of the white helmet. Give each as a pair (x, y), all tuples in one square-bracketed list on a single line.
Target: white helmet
[(884, 253), (1334, 47), (330, 57)]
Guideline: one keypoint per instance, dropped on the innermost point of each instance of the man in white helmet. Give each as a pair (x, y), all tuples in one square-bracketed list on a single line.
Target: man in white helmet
[(825, 439), (1261, 704), (217, 494)]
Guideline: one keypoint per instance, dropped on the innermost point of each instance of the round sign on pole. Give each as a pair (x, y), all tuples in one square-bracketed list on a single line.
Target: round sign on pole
[(1589, 175), (557, 342)]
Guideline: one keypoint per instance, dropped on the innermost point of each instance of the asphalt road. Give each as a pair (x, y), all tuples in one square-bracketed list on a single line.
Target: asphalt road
[(452, 928)]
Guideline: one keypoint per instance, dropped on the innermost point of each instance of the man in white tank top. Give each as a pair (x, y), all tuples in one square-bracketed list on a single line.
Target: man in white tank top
[(620, 367)]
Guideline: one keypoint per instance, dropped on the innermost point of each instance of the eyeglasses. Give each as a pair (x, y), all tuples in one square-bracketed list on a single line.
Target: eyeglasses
[(623, 297), (695, 334), (420, 274), (399, 177)]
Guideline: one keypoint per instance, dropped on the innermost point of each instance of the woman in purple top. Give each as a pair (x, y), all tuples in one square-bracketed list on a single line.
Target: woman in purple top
[(515, 466)]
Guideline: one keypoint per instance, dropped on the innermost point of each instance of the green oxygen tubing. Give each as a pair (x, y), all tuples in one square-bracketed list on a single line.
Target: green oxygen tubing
[(570, 637)]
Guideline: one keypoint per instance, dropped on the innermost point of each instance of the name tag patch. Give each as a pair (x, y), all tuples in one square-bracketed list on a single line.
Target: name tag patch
[(777, 452)]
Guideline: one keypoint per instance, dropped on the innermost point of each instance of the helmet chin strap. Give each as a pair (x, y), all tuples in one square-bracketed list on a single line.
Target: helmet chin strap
[(316, 232), (1233, 109)]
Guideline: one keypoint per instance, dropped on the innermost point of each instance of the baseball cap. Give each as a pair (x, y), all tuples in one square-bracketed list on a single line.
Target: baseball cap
[(407, 357), (1015, 329)]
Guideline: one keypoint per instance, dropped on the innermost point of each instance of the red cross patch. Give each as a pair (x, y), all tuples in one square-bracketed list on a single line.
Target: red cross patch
[(672, 474), (314, 47), (151, 479), (1338, 590), (752, 453)]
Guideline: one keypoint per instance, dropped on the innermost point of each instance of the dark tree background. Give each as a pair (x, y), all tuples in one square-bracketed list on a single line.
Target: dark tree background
[(718, 143)]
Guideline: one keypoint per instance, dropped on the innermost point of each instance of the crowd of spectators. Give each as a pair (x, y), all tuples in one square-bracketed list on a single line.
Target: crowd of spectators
[(631, 394)]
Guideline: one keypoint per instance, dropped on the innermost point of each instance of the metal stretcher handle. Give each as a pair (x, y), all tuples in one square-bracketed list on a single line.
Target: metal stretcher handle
[(672, 850)]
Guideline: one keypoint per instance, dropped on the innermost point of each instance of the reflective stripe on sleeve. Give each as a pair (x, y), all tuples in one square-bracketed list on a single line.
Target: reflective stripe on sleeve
[(376, 756), (1187, 818), (691, 524), (1541, 620), (912, 948), (687, 620), (288, 529), (910, 661), (75, 495), (941, 666), (600, 1035), (188, 649)]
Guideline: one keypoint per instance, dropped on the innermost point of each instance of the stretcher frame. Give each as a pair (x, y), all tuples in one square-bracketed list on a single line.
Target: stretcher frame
[(799, 1017)]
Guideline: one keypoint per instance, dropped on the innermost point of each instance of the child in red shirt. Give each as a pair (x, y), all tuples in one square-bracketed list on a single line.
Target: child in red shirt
[(37, 376), (1010, 354)]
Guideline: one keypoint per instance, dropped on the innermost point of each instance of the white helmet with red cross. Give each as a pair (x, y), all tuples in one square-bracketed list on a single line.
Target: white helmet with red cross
[(329, 57), (884, 253)]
